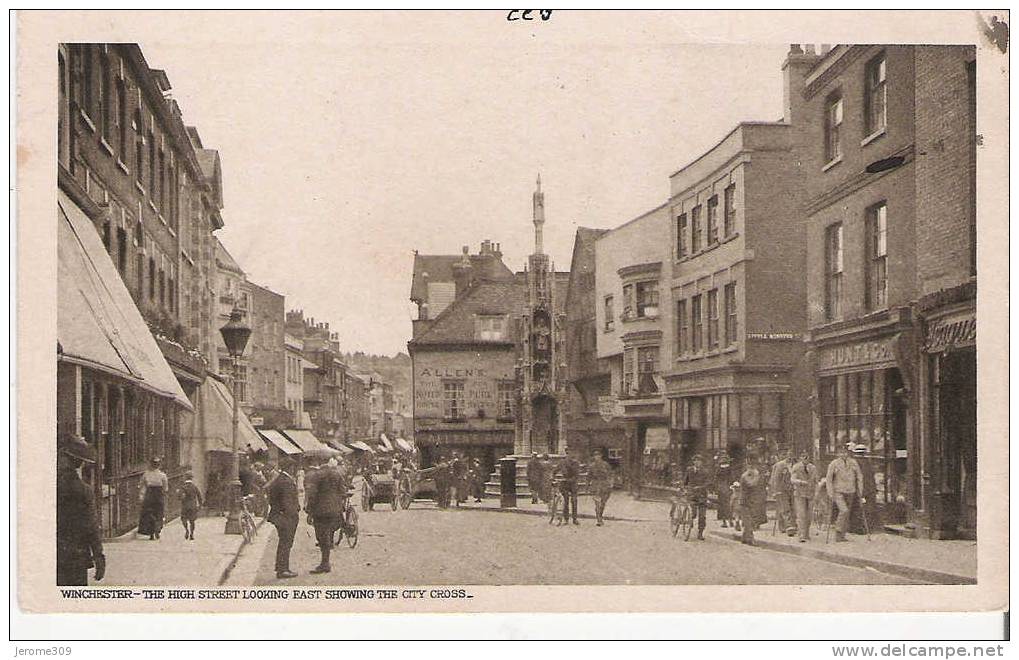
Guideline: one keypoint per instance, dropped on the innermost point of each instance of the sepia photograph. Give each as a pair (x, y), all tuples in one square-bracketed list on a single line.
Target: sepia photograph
[(351, 308)]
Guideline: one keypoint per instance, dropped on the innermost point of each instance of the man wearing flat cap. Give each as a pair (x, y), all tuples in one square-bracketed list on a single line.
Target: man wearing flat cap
[(79, 541)]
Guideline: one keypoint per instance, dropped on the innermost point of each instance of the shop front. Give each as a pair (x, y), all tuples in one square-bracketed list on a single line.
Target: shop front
[(488, 446), (863, 400), (950, 410)]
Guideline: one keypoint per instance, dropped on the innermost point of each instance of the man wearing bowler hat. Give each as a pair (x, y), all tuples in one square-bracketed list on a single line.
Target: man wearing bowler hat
[(284, 512), (79, 541)]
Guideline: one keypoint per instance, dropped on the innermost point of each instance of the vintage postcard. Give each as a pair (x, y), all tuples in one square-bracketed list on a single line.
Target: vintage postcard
[(516, 310)]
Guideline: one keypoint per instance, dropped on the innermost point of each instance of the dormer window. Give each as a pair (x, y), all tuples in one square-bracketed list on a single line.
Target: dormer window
[(490, 327)]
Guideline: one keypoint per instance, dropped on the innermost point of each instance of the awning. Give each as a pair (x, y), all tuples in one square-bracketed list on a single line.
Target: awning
[(98, 324), (404, 445), (280, 441), (339, 446), (216, 424), (386, 443), (357, 444), (305, 440)]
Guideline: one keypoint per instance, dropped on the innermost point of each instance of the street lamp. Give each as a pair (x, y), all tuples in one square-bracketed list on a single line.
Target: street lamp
[(235, 336)]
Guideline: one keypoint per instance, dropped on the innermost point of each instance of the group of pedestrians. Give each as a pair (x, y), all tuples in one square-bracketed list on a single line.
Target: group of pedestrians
[(546, 476), (326, 489), (457, 479)]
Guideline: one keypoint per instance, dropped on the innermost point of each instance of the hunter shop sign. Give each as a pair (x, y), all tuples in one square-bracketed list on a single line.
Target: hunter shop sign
[(867, 353)]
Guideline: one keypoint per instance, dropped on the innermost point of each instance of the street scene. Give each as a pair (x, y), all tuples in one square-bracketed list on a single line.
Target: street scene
[(324, 337)]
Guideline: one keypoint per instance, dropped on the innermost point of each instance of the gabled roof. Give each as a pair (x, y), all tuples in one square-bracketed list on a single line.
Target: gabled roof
[(456, 323), (212, 170), (439, 268), (225, 260)]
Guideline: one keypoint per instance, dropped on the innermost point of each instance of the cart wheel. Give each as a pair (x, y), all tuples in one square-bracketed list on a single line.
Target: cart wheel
[(366, 497), (351, 527)]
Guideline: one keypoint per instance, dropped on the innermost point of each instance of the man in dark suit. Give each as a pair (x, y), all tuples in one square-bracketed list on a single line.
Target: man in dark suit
[(324, 500), (284, 510), (79, 542), (571, 478)]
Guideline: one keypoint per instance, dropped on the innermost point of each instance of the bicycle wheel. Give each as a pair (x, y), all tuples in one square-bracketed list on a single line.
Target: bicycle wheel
[(687, 522), (351, 526)]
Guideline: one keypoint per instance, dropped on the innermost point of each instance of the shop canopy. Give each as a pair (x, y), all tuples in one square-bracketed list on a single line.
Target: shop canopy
[(404, 445), (217, 420), (339, 446), (98, 324), (357, 444), (280, 441), (306, 441), (386, 443)]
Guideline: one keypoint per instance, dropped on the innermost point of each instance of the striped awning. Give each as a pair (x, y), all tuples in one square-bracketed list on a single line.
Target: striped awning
[(357, 444), (305, 440), (280, 441), (404, 445)]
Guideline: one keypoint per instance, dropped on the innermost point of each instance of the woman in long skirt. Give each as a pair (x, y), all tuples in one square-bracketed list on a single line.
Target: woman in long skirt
[(153, 495)]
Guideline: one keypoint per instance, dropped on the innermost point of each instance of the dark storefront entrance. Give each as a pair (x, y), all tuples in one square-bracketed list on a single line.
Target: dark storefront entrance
[(957, 398)]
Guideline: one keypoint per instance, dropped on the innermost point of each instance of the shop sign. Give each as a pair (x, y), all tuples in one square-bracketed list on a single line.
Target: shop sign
[(609, 408), (856, 355), (775, 336), (257, 421), (946, 333)]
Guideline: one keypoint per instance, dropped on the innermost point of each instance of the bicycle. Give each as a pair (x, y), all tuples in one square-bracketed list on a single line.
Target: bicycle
[(348, 526), (248, 528), (681, 516)]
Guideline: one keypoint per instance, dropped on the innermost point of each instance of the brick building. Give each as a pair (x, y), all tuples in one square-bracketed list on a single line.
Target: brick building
[(152, 194), (890, 149), (266, 403)]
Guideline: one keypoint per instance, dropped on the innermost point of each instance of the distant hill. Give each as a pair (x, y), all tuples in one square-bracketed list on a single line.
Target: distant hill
[(394, 369)]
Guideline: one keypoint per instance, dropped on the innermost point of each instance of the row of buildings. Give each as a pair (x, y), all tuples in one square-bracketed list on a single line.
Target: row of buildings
[(144, 287), (807, 283)]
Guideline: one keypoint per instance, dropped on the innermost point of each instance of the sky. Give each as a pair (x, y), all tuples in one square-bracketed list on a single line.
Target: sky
[(348, 144)]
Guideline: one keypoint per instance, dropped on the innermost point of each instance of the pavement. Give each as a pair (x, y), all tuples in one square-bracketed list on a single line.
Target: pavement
[(425, 545), (171, 560)]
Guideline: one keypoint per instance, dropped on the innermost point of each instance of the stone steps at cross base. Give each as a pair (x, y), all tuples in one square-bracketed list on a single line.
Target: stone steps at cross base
[(493, 487)]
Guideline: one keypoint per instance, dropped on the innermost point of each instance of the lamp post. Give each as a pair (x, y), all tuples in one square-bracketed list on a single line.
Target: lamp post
[(235, 336)]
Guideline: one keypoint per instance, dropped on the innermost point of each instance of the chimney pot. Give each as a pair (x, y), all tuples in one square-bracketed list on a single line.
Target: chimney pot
[(794, 49)]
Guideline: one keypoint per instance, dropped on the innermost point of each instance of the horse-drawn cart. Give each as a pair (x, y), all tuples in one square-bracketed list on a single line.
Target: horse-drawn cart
[(379, 489), (416, 484)]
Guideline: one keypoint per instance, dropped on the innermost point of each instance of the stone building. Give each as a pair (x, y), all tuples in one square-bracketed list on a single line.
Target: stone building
[(632, 338), (294, 376), (890, 150), (323, 373)]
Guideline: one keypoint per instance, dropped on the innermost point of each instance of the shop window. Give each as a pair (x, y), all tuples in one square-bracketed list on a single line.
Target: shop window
[(833, 129), (875, 96), (713, 320), (731, 320), (697, 322), (713, 220), (729, 210), (856, 408), (833, 272), (696, 230), (877, 257), (454, 404), (681, 227)]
